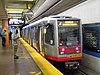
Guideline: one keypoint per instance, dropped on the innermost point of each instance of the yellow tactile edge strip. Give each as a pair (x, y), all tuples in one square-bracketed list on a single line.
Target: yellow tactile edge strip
[(44, 65)]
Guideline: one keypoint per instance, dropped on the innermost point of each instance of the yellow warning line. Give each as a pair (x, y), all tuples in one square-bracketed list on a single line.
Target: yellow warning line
[(44, 65)]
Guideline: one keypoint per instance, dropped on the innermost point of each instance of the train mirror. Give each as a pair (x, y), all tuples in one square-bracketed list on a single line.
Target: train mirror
[(47, 25)]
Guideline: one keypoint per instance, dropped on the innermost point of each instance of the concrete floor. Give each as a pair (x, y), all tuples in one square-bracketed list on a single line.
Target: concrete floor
[(25, 65)]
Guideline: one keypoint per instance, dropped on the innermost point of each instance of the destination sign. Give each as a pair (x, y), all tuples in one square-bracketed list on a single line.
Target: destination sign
[(68, 23)]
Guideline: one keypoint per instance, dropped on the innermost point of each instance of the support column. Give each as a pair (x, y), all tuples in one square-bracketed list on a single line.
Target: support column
[(5, 27)]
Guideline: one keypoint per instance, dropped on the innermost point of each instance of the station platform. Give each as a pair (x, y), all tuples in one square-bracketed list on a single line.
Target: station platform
[(29, 62)]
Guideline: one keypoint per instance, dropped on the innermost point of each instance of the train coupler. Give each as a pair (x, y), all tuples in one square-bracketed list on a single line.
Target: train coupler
[(71, 65)]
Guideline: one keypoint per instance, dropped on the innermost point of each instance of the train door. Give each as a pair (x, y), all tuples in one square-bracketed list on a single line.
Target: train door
[(50, 40), (41, 40)]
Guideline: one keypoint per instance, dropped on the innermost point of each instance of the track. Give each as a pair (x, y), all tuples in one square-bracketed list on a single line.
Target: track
[(74, 72), (65, 71)]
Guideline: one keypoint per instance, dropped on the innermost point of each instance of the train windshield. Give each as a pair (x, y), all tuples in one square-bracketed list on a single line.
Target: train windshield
[(69, 34)]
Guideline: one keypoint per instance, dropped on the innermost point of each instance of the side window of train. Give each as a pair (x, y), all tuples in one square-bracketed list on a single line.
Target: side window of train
[(28, 32), (32, 32), (90, 37), (49, 36), (36, 34)]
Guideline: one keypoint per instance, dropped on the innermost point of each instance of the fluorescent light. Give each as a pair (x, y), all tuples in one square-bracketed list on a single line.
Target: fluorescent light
[(14, 10)]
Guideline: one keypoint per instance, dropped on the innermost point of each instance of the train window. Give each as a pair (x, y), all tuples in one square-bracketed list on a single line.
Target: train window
[(28, 33), (68, 36), (34, 33), (24, 33), (90, 37), (49, 36)]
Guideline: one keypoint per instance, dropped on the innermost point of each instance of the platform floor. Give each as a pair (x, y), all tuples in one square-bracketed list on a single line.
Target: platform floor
[(25, 65)]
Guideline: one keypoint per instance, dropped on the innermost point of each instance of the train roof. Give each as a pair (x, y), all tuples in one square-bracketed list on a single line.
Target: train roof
[(51, 18), (38, 21)]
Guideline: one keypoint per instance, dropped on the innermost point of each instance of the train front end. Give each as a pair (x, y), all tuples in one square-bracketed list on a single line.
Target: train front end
[(70, 42)]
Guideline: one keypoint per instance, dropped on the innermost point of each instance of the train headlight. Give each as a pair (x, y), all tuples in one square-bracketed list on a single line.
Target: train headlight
[(77, 48), (77, 51), (62, 50)]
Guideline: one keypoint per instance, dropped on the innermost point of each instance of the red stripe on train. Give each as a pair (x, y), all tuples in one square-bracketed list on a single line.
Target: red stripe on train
[(60, 59)]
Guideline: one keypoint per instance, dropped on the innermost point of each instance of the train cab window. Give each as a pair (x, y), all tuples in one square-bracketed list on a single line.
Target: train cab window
[(69, 36), (49, 36), (69, 33)]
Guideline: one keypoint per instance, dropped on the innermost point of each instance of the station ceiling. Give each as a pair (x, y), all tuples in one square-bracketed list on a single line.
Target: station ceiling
[(11, 8), (14, 8)]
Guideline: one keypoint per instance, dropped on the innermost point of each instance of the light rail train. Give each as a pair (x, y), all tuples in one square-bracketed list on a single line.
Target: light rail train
[(57, 38), (91, 46)]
